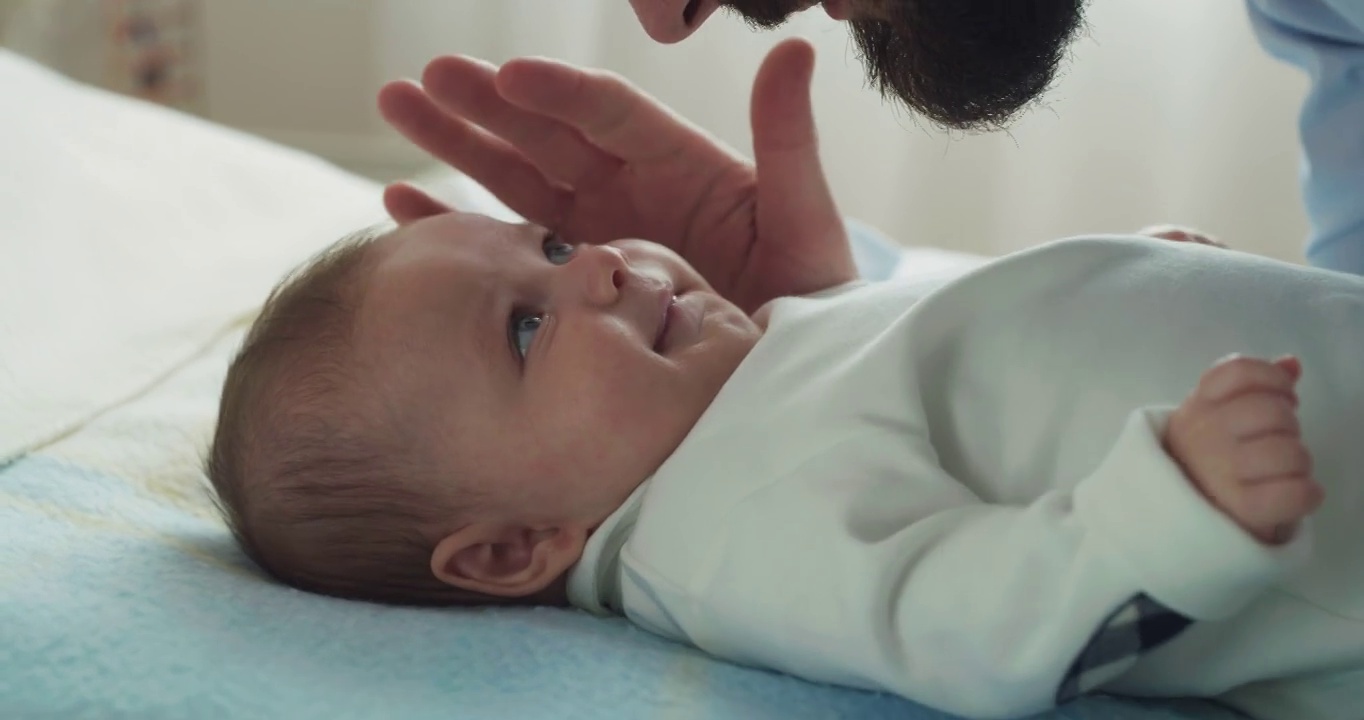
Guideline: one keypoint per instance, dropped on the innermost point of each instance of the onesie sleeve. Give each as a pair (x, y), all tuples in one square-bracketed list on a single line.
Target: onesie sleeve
[(898, 578), (1325, 38)]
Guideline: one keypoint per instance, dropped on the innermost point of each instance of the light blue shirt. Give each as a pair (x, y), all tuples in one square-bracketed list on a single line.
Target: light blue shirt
[(1326, 39)]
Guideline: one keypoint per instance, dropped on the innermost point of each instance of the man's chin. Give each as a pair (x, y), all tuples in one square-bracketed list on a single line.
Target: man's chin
[(969, 86)]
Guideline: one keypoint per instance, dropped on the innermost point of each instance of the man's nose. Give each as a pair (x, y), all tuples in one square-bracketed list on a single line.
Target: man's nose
[(598, 274), (670, 21)]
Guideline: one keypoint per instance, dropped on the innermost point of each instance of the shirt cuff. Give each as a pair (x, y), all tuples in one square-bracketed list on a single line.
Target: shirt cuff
[(1342, 254), (1183, 552)]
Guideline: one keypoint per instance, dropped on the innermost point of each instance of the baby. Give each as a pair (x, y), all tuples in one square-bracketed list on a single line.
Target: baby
[(988, 493)]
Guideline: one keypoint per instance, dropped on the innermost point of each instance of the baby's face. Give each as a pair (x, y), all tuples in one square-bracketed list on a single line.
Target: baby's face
[(550, 379)]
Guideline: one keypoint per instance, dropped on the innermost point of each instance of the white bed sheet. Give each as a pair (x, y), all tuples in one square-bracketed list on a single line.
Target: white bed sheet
[(131, 236)]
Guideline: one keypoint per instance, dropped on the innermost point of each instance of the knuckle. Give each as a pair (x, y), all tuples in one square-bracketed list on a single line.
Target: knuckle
[(1238, 372), (1272, 410), (1301, 458), (1183, 412), (1316, 494), (612, 80), (1291, 425), (1301, 495), (1286, 412), (1218, 369), (1243, 369), (1225, 374), (1185, 424)]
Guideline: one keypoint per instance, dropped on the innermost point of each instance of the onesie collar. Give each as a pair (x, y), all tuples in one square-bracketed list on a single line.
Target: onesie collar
[(594, 583)]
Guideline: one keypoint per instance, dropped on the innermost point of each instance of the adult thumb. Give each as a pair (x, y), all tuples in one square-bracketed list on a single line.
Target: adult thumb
[(793, 195)]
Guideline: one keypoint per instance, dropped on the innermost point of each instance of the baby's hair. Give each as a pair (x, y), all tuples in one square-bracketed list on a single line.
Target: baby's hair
[(315, 474)]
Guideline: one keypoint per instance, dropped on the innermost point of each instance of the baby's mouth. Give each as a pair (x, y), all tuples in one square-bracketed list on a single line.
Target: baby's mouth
[(663, 324)]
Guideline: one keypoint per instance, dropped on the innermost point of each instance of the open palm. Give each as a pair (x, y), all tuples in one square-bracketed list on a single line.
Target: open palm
[(589, 155)]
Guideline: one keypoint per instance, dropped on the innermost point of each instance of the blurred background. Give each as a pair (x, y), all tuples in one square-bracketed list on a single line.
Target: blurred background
[(1168, 112)]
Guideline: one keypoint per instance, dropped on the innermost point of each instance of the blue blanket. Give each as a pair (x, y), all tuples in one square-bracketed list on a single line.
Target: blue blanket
[(122, 596)]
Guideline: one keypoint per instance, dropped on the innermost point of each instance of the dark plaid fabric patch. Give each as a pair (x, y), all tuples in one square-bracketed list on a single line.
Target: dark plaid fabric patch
[(1137, 627)]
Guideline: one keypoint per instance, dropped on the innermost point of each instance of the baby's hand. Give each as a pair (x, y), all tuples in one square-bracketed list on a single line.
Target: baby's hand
[(1176, 233), (1237, 438)]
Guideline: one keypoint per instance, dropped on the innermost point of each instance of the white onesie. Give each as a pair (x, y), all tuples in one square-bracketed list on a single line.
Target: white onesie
[(956, 492)]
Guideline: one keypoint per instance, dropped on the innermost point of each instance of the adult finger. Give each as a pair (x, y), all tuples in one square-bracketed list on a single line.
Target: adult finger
[(490, 161), (407, 203), (465, 87), (605, 108)]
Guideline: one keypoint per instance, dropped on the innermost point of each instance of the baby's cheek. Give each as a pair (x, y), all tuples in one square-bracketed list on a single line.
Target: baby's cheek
[(601, 401), (636, 249), (684, 275)]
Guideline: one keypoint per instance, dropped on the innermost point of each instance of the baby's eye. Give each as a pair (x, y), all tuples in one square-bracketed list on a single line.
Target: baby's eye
[(522, 331), (557, 251)]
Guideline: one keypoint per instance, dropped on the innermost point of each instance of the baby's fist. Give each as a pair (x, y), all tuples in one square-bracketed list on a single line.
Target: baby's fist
[(1238, 440)]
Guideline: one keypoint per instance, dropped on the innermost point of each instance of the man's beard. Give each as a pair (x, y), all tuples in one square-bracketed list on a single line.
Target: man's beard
[(763, 14), (962, 64)]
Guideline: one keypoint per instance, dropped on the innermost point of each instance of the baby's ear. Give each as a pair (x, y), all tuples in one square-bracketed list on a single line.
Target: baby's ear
[(506, 561), (407, 203)]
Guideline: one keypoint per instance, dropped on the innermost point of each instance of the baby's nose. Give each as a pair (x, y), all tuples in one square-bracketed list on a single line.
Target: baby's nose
[(603, 271)]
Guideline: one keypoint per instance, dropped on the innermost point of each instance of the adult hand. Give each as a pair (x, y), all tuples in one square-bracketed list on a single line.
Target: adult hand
[(591, 156)]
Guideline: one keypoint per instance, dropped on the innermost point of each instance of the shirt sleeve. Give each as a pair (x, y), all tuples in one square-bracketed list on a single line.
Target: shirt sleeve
[(1325, 38), (900, 579)]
